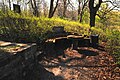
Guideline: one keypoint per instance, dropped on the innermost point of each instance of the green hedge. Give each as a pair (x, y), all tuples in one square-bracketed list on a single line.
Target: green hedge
[(33, 28)]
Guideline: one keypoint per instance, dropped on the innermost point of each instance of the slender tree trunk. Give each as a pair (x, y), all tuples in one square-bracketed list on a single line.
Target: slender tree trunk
[(64, 8), (3, 6), (34, 7), (81, 16), (45, 8), (52, 8), (79, 10), (9, 4), (64, 11)]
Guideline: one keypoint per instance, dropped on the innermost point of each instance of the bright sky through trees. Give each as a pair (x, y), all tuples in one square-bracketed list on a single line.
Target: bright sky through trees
[(74, 2)]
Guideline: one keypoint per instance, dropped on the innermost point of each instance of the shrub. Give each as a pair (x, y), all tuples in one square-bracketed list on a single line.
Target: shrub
[(113, 43), (19, 28)]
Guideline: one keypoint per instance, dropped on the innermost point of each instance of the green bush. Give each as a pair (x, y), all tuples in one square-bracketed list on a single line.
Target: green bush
[(113, 43), (19, 28)]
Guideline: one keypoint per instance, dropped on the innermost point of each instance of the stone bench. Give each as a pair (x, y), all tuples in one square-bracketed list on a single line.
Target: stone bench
[(64, 42)]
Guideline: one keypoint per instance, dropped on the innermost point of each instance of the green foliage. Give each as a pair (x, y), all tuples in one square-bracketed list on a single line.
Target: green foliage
[(86, 16), (17, 27), (108, 27), (113, 43)]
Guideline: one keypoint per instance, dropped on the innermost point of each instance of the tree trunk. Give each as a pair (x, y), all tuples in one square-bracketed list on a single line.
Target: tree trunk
[(34, 7), (81, 16), (65, 7), (92, 19), (64, 11), (3, 6), (52, 8), (9, 4), (79, 10), (93, 11)]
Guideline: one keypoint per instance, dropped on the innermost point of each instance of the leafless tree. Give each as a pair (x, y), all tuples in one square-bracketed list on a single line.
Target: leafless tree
[(45, 8), (52, 8), (9, 4), (81, 6), (60, 9), (34, 7), (65, 4), (4, 5)]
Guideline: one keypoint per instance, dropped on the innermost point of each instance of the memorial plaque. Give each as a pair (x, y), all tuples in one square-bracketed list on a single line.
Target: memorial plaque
[(16, 8)]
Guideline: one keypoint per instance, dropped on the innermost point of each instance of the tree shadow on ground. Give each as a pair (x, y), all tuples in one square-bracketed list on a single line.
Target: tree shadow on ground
[(38, 72), (53, 51), (4, 57), (88, 52), (47, 75), (98, 47), (63, 63)]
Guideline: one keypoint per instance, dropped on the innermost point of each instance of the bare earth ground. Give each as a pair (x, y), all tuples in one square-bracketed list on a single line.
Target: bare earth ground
[(84, 64)]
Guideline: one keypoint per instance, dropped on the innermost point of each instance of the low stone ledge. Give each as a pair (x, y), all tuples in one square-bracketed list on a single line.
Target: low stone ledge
[(14, 62)]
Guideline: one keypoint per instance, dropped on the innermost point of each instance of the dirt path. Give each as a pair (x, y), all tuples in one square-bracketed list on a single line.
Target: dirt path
[(83, 64)]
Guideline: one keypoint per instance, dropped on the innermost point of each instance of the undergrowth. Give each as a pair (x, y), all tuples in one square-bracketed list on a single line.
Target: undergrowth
[(21, 28)]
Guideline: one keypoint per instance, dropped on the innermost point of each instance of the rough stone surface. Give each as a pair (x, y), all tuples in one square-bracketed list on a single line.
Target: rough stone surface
[(15, 63)]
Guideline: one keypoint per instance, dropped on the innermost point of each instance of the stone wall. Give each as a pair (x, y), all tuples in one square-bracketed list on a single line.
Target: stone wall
[(15, 66)]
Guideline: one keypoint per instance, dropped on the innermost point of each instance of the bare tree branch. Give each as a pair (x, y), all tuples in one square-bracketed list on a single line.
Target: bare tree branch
[(55, 6), (113, 3)]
